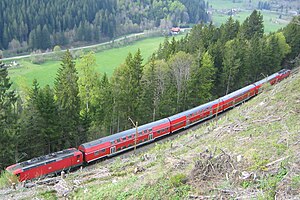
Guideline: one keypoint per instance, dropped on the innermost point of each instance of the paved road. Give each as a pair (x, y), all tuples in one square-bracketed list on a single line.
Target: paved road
[(77, 48)]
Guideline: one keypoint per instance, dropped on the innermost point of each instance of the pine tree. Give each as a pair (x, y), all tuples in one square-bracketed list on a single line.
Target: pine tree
[(201, 82), (292, 35), (102, 118), (31, 126), (8, 119), (48, 111), (232, 64), (253, 25), (68, 102), (135, 75), (152, 88), (254, 59), (229, 30)]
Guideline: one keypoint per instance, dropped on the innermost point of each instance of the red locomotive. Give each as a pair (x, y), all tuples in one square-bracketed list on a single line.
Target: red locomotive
[(48, 164), (119, 142)]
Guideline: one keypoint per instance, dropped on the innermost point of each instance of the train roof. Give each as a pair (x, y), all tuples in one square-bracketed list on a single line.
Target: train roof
[(125, 133), (283, 71), (193, 110), (201, 107), (42, 159), (236, 93), (268, 78)]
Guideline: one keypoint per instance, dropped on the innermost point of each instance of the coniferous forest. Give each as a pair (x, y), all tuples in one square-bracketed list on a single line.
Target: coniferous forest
[(38, 24), (84, 105)]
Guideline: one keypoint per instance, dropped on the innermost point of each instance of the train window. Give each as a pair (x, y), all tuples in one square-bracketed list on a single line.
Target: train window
[(112, 143), (103, 150), (124, 138), (51, 161), (118, 149), (28, 168), (97, 153), (145, 131), (158, 132), (129, 136), (150, 129), (140, 133), (118, 140)]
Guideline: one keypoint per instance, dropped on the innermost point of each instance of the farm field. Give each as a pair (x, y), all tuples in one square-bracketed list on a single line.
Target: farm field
[(271, 18), (271, 21), (106, 61)]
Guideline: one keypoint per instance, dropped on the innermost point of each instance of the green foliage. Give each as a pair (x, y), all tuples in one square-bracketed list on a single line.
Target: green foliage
[(269, 184), (68, 102), (259, 162), (36, 57), (296, 182), (292, 35), (180, 65), (253, 25), (7, 178), (38, 123), (201, 82), (49, 195), (232, 64), (95, 21), (8, 118), (127, 91), (178, 179)]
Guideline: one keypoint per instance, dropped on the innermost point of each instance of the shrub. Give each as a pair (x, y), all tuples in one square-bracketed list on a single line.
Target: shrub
[(178, 180)]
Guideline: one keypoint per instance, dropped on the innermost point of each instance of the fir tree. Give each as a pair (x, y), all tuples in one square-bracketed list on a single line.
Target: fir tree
[(8, 119), (68, 101)]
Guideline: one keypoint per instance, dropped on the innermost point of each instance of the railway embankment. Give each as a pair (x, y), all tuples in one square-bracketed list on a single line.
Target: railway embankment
[(251, 152)]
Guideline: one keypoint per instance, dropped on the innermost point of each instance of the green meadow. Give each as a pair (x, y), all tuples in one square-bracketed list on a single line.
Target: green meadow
[(271, 19), (106, 61)]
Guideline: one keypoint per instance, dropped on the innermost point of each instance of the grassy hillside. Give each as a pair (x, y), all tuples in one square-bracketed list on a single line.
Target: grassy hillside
[(106, 61), (251, 152)]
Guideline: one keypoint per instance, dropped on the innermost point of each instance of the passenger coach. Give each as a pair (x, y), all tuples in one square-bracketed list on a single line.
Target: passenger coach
[(122, 141)]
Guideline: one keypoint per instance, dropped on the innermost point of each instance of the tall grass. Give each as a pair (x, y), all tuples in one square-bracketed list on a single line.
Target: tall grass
[(7, 179)]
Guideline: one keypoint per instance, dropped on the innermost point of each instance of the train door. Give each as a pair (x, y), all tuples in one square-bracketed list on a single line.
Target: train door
[(187, 123), (112, 150), (150, 136)]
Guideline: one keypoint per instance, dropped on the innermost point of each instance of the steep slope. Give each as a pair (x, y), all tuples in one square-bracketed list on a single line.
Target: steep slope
[(251, 151)]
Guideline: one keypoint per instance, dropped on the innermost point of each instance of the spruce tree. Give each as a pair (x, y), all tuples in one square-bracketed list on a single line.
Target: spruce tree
[(31, 126), (292, 35), (201, 83), (68, 101), (8, 119)]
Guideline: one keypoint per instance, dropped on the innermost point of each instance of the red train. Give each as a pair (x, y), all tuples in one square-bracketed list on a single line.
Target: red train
[(116, 143)]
